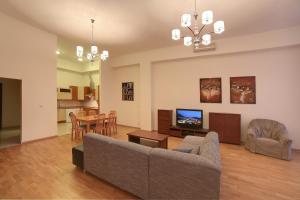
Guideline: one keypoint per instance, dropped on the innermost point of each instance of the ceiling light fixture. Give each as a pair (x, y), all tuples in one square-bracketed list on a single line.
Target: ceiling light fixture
[(93, 54), (196, 37)]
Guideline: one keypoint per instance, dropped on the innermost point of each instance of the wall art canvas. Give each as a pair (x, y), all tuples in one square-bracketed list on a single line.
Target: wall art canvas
[(211, 90), (128, 91), (243, 90)]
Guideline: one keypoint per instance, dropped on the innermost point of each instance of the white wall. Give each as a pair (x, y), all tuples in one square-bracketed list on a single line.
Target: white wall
[(233, 57), (28, 53), (111, 89), (176, 85), (70, 73), (11, 103)]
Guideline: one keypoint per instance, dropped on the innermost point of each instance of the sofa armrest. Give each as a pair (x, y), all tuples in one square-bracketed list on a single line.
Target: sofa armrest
[(177, 175)]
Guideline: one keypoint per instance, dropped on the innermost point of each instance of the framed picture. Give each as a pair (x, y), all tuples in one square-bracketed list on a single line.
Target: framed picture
[(128, 91), (243, 90), (211, 90)]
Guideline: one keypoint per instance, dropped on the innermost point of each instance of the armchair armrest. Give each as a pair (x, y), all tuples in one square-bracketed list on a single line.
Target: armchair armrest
[(252, 133), (250, 139)]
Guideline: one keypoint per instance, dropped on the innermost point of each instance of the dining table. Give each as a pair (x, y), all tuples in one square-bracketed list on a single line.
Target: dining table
[(88, 120)]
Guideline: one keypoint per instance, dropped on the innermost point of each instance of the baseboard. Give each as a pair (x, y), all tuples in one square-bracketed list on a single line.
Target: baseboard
[(63, 121), (296, 150), (128, 126), (11, 127), (40, 139)]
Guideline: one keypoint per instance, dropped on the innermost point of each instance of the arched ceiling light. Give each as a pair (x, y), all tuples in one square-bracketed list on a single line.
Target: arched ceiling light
[(92, 55), (197, 37)]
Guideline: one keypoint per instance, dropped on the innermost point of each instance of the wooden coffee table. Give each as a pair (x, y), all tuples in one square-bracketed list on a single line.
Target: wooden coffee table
[(160, 138)]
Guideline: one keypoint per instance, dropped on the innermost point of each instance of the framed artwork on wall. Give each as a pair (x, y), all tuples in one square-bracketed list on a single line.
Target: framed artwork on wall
[(128, 91), (243, 90), (211, 90)]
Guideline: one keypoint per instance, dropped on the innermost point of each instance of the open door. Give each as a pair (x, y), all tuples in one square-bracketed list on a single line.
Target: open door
[(0, 105)]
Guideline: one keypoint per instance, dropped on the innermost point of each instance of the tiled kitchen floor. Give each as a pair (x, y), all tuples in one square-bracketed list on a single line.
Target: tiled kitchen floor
[(64, 128)]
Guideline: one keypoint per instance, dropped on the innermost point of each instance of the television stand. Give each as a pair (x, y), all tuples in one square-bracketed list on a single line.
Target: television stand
[(182, 132)]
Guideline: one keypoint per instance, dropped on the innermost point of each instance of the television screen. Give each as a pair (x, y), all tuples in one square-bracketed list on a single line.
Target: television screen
[(188, 118)]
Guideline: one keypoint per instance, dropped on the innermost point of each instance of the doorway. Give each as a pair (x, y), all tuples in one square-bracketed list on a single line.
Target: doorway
[(10, 112)]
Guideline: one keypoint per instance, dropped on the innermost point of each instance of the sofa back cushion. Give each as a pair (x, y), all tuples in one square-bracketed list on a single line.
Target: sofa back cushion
[(177, 175), (128, 163), (95, 155), (210, 148)]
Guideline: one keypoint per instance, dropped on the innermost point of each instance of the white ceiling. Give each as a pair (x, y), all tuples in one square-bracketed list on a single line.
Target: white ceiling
[(125, 26)]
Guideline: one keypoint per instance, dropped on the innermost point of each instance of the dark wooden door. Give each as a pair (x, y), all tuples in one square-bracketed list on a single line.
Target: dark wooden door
[(0, 105)]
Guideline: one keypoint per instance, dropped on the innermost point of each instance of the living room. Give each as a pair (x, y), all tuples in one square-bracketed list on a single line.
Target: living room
[(260, 45)]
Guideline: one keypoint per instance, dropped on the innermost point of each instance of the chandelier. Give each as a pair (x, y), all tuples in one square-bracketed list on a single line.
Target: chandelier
[(197, 35), (93, 54)]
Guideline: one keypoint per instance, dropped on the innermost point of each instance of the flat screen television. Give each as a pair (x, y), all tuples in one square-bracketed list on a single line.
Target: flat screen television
[(189, 118)]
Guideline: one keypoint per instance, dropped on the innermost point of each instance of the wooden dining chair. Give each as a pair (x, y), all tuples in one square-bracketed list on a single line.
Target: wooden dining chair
[(110, 124), (92, 112), (100, 125), (76, 128), (115, 127), (81, 113)]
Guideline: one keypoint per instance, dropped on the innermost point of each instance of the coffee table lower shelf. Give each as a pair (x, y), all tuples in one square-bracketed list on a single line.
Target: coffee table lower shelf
[(160, 138)]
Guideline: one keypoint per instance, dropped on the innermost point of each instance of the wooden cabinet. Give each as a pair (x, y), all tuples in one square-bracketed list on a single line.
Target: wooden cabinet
[(80, 93), (74, 92), (165, 118), (227, 125)]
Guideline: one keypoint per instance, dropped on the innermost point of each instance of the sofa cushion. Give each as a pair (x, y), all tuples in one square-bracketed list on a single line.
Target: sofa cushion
[(195, 148), (195, 140), (128, 163), (183, 150)]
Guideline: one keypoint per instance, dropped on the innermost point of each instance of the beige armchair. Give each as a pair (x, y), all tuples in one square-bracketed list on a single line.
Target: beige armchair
[(270, 138)]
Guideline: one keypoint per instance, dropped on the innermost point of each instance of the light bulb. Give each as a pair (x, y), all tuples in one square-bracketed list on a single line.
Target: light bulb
[(206, 39), (94, 49), (175, 34), (89, 56), (57, 52), (188, 41), (207, 17), (103, 57), (186, 20), (79, 51), (105, 53), (219, 27)]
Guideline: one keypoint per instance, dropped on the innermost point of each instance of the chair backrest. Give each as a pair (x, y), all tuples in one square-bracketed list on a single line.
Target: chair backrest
[(114, 115), (81, 113), (73, 120), (111, 119), (268, 128), (100, 123), (92, 112)]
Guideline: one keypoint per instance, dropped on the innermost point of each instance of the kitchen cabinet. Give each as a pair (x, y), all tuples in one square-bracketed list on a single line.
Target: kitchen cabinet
[(80, 93), (74, 91)]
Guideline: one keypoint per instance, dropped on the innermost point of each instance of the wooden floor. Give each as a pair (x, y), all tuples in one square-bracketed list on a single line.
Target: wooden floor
[(43, 169)]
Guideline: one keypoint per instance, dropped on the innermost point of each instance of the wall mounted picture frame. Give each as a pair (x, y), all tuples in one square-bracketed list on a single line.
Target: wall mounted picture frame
[(243, 90), (128, 91), (210, 90)]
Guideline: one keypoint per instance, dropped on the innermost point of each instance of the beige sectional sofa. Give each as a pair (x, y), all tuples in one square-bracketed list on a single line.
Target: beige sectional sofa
[(154, 173)]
